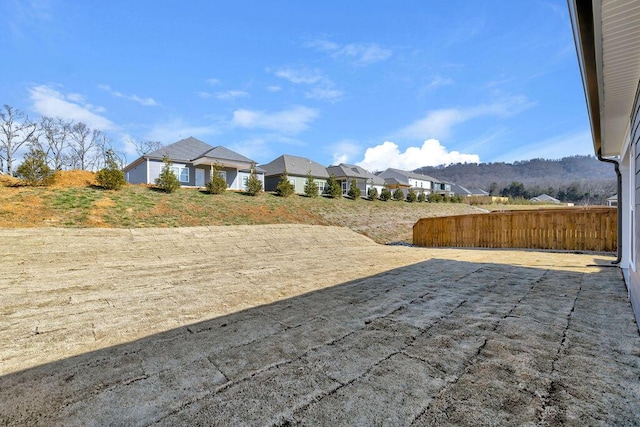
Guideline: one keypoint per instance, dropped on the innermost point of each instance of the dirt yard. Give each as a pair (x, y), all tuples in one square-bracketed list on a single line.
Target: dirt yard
[(307, 325)]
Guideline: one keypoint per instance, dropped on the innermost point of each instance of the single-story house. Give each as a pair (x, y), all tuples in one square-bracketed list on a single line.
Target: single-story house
[(193, 162), (397, 178), (544, 198), (459, 190), (612, 201), (364, 179), (607, 36), (298, 170)]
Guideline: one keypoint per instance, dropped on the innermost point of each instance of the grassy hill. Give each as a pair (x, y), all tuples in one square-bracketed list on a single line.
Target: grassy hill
[(75, 201)]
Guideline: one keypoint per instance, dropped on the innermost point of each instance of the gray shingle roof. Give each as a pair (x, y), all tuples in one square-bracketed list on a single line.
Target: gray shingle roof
[(191, 148), (295, 166), (409, 174), (223, 153), (185, 150), (344, 170)]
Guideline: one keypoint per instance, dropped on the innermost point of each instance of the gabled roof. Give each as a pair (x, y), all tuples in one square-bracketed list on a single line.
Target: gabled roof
[(184, 150), (344, 170), (294, 165), (544, 198), (404, 176), (459, 189), (224, 153), (192, 150)]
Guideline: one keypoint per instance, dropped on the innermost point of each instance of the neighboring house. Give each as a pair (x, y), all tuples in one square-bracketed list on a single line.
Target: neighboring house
[(607, 36), (192, 162), (298, 169), (364, 179), (397, 178), (544, 198), (612, 201), (459, 190)]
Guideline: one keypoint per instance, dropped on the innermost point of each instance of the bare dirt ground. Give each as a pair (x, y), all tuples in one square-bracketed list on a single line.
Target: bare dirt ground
[(307, 325)]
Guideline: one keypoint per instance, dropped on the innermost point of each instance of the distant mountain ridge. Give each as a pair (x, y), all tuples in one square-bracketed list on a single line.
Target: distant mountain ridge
[(584, 172)]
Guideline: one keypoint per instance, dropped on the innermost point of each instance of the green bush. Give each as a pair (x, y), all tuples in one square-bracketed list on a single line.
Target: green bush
[(310, 186), (218, 183), (421, 197), (285, 188), (385, 194), (398, 194), (167, 181), (34, 169), (354, 191), (254, 185), (333, 187), (411, 196), (111, 177), (372, 193), (435, 198)]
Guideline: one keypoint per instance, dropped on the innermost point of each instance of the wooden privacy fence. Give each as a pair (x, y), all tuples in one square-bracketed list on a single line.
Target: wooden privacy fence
[(583, 229)]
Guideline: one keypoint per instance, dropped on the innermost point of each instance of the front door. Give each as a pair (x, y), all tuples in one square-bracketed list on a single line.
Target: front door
[(199, 177)]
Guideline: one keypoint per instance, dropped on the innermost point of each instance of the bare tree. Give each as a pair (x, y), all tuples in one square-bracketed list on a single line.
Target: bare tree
[(56, 133), (15, 130), (145, 147), (84, 146)]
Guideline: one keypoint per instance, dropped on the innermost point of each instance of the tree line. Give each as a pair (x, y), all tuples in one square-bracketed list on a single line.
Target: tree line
[(63, 143)]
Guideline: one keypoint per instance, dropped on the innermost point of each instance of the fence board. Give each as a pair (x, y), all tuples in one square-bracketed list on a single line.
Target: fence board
[(585, 229)]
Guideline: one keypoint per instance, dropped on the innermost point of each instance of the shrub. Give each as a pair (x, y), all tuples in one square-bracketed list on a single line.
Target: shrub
[(398, 194), (34, 169), (167, 181), (372, 193), (435, 198), (411, 196), (354, 191), (422, 197), (218, 183), (385, 194), (333, 187), (285, 188), (111, 176), (310, 186), (254, 185)]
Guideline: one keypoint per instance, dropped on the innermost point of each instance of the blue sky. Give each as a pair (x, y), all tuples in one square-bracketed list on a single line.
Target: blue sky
[(381, 84)]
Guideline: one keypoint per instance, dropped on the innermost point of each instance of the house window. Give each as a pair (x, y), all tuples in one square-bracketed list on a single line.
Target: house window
[(344, 186), (181, 172), (292, 181), (320, 186)]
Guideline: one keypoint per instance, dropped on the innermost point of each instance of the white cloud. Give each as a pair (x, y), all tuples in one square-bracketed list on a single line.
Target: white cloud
[(231, 94), (300, 75), (439, 123), (344, 151), (324, 93), (359, 53), (274, 88), (431, 153), (176, 129), (438, 81), (364, 54), (50, 102), (146, 102), (290, 121), (213, 82)]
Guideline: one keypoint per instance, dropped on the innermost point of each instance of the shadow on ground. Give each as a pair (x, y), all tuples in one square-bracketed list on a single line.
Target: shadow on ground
[(440, 342)]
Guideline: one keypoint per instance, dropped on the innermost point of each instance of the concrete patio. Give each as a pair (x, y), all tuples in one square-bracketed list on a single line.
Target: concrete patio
[(304, 325)]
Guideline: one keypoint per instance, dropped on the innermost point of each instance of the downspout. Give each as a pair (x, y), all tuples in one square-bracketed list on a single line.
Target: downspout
[(619, 202)]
